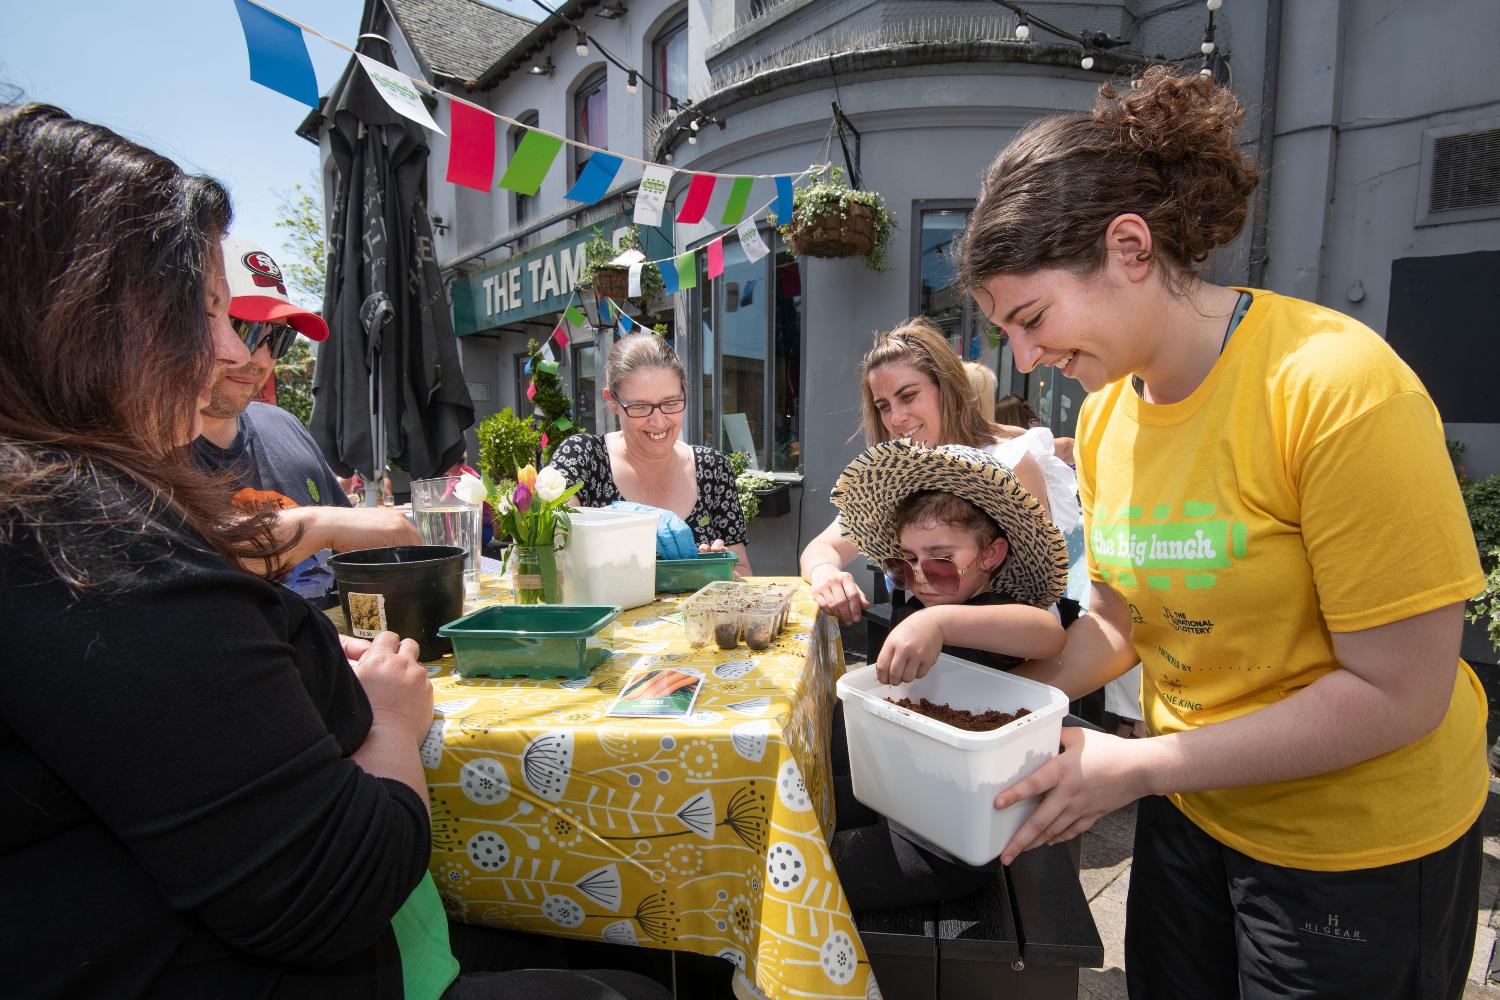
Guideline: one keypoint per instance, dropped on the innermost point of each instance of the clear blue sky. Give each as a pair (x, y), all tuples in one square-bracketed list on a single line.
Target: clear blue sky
[(173, 75)]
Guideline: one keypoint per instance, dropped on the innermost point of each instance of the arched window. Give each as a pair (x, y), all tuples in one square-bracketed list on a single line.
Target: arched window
[(590, 118), (523, 205), (669, 63)]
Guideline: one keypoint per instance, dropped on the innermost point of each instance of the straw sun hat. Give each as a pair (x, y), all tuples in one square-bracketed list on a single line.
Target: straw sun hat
[(868, 491)]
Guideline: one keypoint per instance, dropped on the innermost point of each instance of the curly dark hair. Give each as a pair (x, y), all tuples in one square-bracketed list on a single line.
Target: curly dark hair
[(1164, 148)]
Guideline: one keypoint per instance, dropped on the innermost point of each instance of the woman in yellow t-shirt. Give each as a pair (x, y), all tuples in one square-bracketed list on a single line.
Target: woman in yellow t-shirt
[(1275, 532)]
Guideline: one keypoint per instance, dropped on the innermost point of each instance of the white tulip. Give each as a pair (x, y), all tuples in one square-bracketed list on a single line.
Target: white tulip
[(503, 507), (470, 490), (550, 484)]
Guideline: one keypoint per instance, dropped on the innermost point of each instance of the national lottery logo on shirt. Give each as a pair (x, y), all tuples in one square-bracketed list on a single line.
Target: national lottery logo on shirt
[(1170, 548)]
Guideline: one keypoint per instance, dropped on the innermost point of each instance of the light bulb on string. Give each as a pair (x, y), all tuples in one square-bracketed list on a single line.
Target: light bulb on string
[(630, 85), (696, 124), (692, 139), (1205, 71), (1087, 62), (1215, 4), (1206, 48), (582, 48), (1023, 31), (668, 157)]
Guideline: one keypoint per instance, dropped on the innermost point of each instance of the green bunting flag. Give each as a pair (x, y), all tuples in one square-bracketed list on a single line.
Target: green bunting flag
[(531, 162), (739, 197), (687, 270)]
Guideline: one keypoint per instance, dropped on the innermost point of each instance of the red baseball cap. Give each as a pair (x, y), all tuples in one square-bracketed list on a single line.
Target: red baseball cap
[(257, 292)]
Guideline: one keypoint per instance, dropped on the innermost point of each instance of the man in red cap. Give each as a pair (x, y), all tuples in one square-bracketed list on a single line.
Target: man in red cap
[(273, 459)]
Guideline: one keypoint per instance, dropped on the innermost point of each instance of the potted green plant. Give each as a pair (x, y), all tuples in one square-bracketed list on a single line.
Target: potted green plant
[(831, 219), (506, 442), (612, 280)]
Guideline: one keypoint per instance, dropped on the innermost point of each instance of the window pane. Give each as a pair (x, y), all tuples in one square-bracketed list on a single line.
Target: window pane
[(590, 121), (523, 202), (708, 356), (584, 386), (742, 299), (669, 64), (937, 299), (786, 413)]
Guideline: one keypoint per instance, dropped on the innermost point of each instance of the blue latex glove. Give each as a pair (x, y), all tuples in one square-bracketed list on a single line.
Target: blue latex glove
[(674, 539)]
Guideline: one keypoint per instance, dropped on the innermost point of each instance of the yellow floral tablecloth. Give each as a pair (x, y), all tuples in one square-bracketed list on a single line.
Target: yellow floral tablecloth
[(706, 834)]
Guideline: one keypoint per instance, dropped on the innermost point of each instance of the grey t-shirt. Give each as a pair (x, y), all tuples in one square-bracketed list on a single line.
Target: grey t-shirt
[(278, 465)]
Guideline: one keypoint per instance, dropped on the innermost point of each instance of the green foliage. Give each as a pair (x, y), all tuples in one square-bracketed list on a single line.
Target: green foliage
[(554, 409), (599, 251), (1482, 498), (300, 217), (834, 195), (746, 482), (506, 443)]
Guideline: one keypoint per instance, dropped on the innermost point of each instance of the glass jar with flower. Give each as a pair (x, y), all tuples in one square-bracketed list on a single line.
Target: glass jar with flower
[(535, 516)]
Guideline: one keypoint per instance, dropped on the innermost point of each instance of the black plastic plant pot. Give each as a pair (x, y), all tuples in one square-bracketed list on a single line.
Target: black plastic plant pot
[(412, 590), (775, 501)]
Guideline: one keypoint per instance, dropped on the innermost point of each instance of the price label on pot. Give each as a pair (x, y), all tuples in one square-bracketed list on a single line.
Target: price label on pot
[(755, 247), (366, 615)]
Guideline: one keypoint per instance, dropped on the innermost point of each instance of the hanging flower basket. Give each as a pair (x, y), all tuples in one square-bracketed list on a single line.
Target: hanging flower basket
[(832, 232), (830, 219), (611, 282)]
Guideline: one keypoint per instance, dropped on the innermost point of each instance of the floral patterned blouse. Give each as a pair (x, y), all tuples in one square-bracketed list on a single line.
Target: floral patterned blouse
[(584, 458)]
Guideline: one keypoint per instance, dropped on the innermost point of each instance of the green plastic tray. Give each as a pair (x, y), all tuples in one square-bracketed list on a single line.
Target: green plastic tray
[(535, 640), (682, 576)]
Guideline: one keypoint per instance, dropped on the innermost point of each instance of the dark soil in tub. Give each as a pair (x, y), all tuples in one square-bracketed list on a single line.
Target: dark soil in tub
[(961, 718)]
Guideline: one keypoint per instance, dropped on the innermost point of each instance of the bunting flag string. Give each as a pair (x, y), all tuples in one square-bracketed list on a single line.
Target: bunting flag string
[(280, 61)]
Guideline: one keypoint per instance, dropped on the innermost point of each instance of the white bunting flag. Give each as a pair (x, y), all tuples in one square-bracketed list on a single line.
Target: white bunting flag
[(755, 247), (631, 256), (547, 354), (399, 92), (634, 290), (651, 198)]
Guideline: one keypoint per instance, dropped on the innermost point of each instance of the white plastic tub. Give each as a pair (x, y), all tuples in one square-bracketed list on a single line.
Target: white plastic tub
[(938, 781), (610, 558)]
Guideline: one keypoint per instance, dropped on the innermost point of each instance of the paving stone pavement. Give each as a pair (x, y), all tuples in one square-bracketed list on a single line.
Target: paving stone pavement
[(1106, 877)]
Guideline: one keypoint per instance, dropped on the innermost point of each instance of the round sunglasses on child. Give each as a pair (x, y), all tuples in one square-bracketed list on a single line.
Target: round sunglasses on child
[(941, 573)]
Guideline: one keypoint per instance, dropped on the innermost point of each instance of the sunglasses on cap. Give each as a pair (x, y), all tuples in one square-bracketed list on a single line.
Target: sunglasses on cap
[(276, 336), (941, 573)]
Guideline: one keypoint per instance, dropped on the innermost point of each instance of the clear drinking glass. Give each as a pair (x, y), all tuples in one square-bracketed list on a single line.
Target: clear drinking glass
[(445, 519)]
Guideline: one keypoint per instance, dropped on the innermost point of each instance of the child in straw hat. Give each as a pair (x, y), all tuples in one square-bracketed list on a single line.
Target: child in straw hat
[(984, 567), (982, 563)]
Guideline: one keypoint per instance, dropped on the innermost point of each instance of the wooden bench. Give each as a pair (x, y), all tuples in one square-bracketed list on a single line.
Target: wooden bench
[(1025, 936)]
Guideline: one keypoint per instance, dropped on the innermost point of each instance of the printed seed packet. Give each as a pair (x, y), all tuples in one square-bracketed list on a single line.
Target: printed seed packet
[(658, 693)]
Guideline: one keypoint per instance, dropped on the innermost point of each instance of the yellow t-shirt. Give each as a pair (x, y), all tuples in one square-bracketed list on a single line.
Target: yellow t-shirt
[(1302, 488)]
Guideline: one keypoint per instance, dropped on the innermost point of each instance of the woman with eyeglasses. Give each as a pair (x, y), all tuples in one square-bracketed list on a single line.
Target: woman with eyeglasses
[(204, 790), (645, 463), (913, 385)]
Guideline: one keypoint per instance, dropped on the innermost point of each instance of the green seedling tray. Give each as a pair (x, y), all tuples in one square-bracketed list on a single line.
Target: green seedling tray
[(682, 576), (534, 640)]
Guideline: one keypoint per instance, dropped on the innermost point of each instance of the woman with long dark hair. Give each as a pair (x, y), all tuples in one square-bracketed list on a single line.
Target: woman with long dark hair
[(201, 792), (1275, 532)]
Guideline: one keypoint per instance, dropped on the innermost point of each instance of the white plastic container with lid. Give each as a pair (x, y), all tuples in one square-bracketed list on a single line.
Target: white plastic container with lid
[(610, 558), (936, 780)]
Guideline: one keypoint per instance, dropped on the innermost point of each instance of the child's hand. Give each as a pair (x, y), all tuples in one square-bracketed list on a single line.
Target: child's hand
[(910, 650)]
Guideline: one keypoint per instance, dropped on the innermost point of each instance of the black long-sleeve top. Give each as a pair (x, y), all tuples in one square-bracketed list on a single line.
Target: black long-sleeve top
[(179, 815)]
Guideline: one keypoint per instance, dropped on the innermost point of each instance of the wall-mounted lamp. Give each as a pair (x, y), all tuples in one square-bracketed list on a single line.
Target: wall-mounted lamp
[(610, 10), (542, 68)]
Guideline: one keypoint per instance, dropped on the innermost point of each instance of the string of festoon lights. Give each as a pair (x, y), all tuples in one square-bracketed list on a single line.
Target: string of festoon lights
[(1097, 42)]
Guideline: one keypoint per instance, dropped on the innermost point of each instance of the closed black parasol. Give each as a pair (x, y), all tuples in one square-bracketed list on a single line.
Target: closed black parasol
[(388, 385)]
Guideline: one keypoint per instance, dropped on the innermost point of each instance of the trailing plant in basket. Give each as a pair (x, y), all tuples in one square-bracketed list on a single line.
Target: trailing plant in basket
[(822, 209), (746, 482), (599, 251)]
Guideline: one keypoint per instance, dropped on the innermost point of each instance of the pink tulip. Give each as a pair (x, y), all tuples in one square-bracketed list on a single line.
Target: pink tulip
[(522, 498)]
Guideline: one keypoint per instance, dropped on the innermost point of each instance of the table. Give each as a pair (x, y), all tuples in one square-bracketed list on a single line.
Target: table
[(706, 834)]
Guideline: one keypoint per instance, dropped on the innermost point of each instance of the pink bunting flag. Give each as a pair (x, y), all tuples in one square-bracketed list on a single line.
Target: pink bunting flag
[(471, 146), (544, 442), (531, 391), (560, 335), (696, 202), (716, 258)]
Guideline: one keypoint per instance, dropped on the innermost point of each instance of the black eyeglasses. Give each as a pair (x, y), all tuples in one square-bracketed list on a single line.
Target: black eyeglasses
[(639, 410), (277, 336)]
